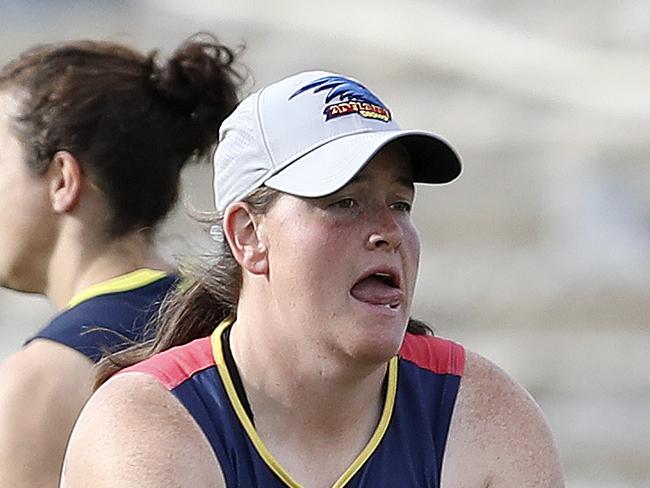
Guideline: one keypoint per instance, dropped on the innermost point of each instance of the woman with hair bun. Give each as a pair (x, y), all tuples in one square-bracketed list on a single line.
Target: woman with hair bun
[(93, 137)]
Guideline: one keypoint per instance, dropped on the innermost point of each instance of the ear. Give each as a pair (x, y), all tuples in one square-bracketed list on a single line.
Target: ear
[(241, 229), (66, 177)]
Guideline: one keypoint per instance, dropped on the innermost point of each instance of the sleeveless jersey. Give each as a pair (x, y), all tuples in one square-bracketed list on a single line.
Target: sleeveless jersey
[(406, 449), (110, 315)]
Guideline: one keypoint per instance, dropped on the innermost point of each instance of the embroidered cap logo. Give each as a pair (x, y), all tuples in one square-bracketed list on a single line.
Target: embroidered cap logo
[(354, 98)]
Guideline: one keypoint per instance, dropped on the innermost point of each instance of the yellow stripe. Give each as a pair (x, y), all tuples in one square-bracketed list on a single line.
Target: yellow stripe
[(239, 408), (126, 282), (382, 427), (267, 457)]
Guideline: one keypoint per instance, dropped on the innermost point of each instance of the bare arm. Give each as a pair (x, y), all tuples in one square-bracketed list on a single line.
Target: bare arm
[(43, 387), (134, 433), (498, 437)]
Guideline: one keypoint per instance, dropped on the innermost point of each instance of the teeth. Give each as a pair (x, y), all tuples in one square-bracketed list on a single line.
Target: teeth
[(386, 278)]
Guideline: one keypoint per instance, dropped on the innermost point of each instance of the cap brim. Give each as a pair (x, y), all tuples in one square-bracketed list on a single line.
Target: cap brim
[(329, 167)]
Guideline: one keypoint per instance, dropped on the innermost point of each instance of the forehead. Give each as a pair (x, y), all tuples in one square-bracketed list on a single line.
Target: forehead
[(9, 103), (392, 162), (10, 146), (9, 109)]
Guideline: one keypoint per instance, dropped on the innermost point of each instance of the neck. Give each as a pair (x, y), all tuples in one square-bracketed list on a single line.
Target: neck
[(302, 389), (78, 262)]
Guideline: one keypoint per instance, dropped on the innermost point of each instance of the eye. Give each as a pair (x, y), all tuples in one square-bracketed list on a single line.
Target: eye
[(402, 206), (344, 203)]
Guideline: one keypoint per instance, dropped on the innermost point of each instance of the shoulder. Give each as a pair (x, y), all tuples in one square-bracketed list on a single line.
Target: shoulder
[(436, 354), (499, 426), (44, 370), (103, 323), (33, 380), (124, 306), (134, 430), (175, 365), (80, 314), (73, 324)]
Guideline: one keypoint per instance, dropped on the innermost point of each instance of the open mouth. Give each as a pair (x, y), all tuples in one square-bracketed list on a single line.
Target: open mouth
[(386, 278), (379, 288)]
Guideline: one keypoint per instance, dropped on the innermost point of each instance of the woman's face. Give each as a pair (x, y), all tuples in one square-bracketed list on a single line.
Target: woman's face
[(343, 267), (25, 216)]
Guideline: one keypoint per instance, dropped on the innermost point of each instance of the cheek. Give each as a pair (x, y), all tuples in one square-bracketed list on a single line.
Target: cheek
[(323, 248), (414, 237), (26, 236), (312, 235), (411, 251), (23, 204), (311, 258)]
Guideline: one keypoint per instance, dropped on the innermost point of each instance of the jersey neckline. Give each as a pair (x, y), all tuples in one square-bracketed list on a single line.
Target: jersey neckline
[(126, 282), (265, 454)]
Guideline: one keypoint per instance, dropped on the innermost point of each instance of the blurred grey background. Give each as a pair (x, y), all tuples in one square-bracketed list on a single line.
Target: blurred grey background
[(539, 256)]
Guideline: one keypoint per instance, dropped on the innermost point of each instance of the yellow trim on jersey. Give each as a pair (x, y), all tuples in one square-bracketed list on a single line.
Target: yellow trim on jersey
[(267, 457), (382, 426), (125, 282), (219, 360)]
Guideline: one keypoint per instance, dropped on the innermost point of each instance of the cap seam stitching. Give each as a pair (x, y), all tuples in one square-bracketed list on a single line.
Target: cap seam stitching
[(258, 116)]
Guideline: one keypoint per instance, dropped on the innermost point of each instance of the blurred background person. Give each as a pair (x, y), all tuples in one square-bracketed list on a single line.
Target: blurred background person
[(93, 137)]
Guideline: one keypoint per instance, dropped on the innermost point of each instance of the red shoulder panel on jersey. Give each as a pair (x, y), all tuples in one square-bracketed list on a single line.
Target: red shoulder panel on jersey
[(438, 355), (175, 365)]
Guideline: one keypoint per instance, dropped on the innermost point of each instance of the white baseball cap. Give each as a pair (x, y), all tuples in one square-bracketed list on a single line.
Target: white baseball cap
[(311, 133)]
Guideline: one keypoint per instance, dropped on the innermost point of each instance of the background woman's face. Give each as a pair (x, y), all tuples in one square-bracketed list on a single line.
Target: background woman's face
[(344, 266), (24, 215)]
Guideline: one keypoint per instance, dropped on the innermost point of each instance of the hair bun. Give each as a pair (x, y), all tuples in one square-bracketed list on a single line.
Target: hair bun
[(197, 78), (152, 70)]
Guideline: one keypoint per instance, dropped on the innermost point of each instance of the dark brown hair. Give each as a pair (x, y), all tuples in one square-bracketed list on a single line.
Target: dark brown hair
[(193, 311), (130, 121)]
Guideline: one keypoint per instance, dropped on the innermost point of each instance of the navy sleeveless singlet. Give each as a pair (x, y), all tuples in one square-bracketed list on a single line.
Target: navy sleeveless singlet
[(406, 449), (110, 315)]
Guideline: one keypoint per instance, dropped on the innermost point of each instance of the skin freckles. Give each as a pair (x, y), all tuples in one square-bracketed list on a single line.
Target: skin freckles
[(316, 234), (498, 425)]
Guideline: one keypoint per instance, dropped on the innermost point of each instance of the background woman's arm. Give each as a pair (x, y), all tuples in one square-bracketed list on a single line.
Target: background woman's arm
[(43, 387)]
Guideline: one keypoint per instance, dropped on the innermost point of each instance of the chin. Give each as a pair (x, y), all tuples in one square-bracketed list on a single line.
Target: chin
[(18, 283), (6, 282), (377, 341)]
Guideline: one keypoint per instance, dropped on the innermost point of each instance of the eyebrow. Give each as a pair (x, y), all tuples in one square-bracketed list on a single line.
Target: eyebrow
[(407, 182), (402, 180)]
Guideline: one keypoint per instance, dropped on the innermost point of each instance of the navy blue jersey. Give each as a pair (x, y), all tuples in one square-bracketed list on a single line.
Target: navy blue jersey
[(406, 449), (108, 316)]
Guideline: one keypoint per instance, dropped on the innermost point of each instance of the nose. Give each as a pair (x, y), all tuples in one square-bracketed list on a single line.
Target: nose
[(386, 233)]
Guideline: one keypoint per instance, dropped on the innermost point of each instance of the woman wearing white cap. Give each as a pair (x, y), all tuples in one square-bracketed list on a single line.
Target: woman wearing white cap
[(307, 369)]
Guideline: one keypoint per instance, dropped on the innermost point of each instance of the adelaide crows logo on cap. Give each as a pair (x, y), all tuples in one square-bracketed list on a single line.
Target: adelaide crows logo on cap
[(354, 98)]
